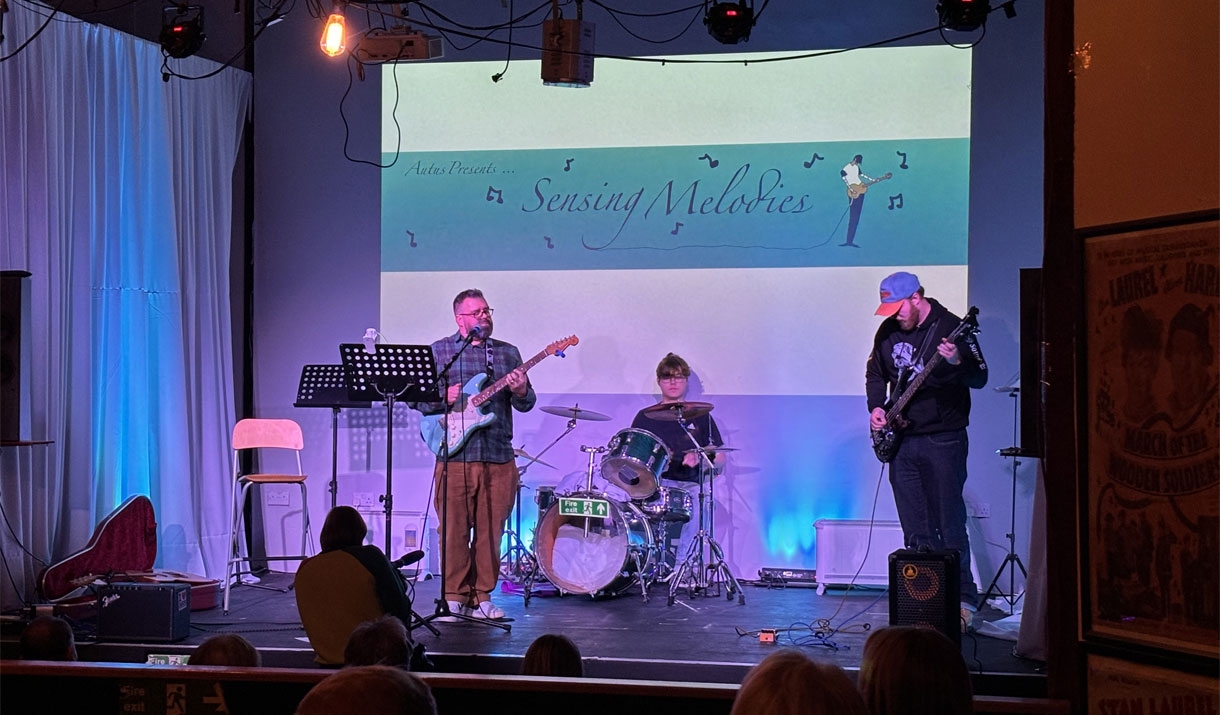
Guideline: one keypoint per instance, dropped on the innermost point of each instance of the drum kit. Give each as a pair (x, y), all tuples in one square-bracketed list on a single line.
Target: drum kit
[(602, 531)]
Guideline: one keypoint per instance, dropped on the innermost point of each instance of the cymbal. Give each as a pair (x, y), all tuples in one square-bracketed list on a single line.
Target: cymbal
[(671, 411), (712, 449), (576, 413), (522, 454)]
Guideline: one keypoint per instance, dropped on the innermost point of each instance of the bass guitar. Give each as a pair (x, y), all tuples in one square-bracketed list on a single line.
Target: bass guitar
[(452, 432), (886, 439), (855, 191)]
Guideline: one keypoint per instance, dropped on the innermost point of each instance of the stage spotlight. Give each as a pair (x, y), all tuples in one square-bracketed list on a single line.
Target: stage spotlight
[(962, 15), (334, 35), (729, 23), (182, 30)]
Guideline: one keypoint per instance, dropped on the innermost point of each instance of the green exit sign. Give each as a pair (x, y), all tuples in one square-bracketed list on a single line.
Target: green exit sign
[(584, 507), (167, 659)]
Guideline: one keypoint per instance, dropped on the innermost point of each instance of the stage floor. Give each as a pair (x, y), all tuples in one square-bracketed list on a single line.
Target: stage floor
[(700, 638)]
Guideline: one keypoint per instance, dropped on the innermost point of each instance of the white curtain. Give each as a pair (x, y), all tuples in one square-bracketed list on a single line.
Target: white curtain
[(116, 195)]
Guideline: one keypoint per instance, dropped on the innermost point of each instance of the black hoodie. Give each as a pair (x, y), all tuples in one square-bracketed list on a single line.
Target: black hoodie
[(943, 401)]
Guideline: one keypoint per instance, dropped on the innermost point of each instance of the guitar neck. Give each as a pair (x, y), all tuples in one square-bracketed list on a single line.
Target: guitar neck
[(490, 391), (901, 403), (967, 324)]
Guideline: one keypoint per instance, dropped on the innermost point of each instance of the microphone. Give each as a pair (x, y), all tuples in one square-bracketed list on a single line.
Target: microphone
[(370, 341), (408, 558), (474, 333)]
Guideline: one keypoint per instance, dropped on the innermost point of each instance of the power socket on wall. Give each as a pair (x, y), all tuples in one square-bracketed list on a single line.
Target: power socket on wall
[(277, 497), (978, 510)]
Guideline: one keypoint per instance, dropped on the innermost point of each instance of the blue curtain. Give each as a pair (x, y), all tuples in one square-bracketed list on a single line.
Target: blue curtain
[(116, 194)]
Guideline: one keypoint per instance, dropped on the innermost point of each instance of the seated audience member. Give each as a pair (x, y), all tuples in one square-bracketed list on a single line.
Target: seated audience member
[(380, 642), (789, 683), (369, 690), (907, 670), (48, 638), (226, 649), (349, 583), (553, 654)]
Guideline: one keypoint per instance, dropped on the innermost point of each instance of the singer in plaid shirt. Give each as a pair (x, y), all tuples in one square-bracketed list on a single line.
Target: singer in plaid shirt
[(482, 479)]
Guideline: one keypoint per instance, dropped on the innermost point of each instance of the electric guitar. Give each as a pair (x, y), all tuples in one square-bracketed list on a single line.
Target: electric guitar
[(452, 432), (886, 439), (855, 191)]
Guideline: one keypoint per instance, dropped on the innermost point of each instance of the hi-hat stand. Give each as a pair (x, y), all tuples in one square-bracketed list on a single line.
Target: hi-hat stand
[(520, 562), (1011, 558), (323, 386), (704, 574)]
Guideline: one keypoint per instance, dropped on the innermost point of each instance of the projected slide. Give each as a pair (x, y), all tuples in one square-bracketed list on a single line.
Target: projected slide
[(740, 215)]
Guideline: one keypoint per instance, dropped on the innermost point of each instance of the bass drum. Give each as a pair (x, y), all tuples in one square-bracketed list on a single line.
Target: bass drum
[(616, 553)]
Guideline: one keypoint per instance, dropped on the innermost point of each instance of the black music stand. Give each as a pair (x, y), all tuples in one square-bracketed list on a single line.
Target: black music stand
[(323, 386), (392, 373)]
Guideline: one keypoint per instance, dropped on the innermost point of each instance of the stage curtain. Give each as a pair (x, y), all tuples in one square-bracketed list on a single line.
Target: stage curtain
[(116, 194)]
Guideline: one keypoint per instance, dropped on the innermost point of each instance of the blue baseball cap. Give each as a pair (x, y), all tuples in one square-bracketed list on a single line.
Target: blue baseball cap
[(895, 288)]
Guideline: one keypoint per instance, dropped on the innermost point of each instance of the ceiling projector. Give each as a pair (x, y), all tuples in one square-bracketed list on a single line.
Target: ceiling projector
[(398, 44)]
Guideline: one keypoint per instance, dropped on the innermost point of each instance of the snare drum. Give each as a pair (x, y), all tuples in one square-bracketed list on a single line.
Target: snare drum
[(611, 555), (635, 461), (669, 504)]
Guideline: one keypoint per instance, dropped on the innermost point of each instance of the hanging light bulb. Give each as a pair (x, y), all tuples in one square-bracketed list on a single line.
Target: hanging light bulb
[(334, 35)]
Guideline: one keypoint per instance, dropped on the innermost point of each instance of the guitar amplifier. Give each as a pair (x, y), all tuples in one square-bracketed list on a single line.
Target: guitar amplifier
[(924, 591), (144, 612)]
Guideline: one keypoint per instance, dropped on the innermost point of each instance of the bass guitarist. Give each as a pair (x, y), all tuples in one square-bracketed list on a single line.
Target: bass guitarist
[(928, 468), (482, 476)]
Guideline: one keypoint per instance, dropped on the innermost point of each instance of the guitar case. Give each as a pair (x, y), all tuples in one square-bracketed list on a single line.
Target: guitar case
[(122, 550)]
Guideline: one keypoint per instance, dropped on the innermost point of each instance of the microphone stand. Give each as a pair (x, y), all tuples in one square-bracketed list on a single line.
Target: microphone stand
[(442, 603)]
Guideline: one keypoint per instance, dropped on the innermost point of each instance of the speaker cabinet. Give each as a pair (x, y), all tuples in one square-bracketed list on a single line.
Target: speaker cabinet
[(144, 612), (924, 591), (14, 355)]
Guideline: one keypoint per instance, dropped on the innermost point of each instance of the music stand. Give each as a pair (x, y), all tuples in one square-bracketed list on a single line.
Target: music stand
[(392, 373), (323, 386)]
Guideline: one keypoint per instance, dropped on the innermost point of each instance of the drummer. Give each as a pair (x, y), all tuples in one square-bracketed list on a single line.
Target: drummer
[(673, 377)]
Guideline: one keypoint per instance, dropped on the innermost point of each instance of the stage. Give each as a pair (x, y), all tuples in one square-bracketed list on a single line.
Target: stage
[(700, 638)]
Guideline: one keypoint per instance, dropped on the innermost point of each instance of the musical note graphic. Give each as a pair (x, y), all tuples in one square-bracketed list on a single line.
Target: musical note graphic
[(677, 225), (492, 190), (411, 234), (902, 154), (813, 160), (548, 242), (711, 163), (899, 200), (567, 166)]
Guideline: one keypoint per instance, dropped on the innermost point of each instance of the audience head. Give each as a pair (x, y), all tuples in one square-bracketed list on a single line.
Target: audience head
[(48, 638), (343, 528), (382, 641), (553, 654), (367, 689), (789, 683), (907, 670), (226, 649)]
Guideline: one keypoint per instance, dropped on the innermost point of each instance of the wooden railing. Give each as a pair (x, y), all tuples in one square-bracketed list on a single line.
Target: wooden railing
[(123, 688)]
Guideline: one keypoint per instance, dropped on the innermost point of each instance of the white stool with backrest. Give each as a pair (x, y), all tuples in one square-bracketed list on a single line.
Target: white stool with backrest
[(262, 434)]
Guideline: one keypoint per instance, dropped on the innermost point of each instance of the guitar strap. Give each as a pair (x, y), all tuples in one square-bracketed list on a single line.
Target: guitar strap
[(918, 356)]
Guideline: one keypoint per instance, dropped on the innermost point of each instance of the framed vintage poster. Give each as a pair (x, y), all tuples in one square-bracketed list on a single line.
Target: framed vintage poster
[(1120, 686), (1153, 437)]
